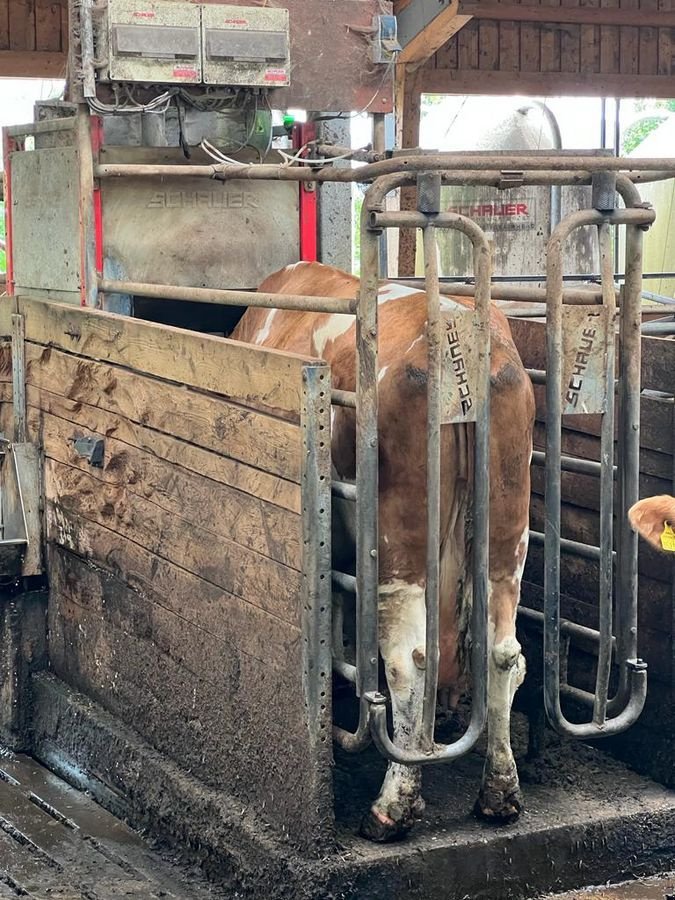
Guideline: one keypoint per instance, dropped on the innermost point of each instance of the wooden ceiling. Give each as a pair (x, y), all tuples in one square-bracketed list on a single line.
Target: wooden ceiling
[(550, 47), (33, 38)]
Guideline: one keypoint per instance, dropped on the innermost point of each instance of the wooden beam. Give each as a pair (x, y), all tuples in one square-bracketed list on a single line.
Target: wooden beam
[(432, 35), (570, 15), (32, 64), (552, 84)]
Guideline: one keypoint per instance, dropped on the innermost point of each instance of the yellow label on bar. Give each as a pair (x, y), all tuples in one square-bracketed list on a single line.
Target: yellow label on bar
[(668, 537)]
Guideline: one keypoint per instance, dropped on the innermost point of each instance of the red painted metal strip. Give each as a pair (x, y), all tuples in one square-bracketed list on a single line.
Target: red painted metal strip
[(302, 133)]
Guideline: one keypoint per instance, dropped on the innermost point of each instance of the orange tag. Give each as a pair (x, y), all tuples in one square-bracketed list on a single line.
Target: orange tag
[(668, 537)]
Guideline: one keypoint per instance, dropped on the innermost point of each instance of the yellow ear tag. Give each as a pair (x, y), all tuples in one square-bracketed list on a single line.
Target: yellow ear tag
[(668, 537)]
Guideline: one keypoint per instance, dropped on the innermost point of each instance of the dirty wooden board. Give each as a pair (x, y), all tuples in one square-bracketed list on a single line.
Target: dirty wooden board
[(261, 754), (243, 572), (191, 499), (234, 431), (258, 378)]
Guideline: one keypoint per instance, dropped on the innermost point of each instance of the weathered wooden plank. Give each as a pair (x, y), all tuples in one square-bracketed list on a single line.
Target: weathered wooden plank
[(446, 56), (488, 46), (665, 42), (648, 43), (590, 43), (550, 40), (583, 491), (629, 41), (32, 64), (247, 720), (509, 46), (22, 25), (540, 13), (250, 375), (48, 25), (609, 43), (570, 43), (219, 510), (4, 24), (467, 44), (236, 569), (176, 592), (243, 435), (530, 47)]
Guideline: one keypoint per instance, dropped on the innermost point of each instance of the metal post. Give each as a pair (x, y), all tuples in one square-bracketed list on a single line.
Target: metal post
[(19, 377)]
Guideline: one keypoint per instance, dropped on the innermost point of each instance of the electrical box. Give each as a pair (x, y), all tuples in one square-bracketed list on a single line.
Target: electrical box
[(154, 41), (245, 46)]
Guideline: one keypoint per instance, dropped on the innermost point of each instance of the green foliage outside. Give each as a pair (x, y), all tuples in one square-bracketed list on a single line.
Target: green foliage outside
[(635, 134)]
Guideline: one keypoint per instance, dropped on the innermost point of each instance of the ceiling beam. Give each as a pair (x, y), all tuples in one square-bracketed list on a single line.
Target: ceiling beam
[(32, 64), (568, 15), (424, 26)]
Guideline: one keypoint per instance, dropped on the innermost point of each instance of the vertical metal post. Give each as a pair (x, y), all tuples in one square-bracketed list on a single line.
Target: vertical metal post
[(19, 377), (88, 275), (434, 371), (367, 458), (606, 486)]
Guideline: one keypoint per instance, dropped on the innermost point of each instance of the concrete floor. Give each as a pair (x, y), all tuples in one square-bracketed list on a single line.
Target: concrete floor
[(56, 843), (659, 888)]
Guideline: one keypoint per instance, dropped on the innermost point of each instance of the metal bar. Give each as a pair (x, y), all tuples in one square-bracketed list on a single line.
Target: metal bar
[(19, 377), (592, 279), (658, 328), (88, 273), (48, 126), (316, 562), (481, 499), (537, 376), (367, 464), (575, 548), (573, 630), (634, 668), (412, 219), (431, 595), (343, 398), (344, 489), (412, 164), (521, 294), (344, 581), (347, 670), (605, 595), (571, 464), (342, 305)]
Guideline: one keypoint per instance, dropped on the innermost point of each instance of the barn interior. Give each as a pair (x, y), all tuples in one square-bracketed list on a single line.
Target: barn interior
[(165, 619)]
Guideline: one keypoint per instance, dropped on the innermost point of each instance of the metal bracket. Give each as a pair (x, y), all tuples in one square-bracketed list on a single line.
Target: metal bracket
[(511, 179), (91, 449)]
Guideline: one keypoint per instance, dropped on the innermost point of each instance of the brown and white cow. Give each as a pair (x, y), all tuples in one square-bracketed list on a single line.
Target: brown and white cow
[(653, 518), (402, 523)]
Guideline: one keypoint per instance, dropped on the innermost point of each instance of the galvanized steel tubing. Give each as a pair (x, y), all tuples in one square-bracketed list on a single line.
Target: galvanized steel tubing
[(429, 752), (634, 669)]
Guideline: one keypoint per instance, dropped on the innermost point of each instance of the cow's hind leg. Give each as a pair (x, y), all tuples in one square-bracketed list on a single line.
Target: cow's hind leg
[(499, 799), (402, 645)]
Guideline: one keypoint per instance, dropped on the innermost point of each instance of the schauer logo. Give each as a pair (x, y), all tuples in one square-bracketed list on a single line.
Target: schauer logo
[(203, 200)]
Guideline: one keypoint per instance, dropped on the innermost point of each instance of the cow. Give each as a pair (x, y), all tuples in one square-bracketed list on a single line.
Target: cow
[(402, 381), (654, 520)]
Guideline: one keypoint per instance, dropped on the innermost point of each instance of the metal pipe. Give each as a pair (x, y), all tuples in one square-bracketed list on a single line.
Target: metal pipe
[(344, 581), (344, 489), (412, 219), (537, 376), (345, 669), (658, 328), (342, 305), (367, 463), (515, 293), (432, 588), (571, 464), (343, 398), (88, 53), (606, 578), (460, 169), (573, 630), (556, 195), (634, 668), (574, 548)]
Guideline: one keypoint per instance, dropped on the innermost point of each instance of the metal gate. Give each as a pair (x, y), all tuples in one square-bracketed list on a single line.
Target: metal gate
[(580, 377)]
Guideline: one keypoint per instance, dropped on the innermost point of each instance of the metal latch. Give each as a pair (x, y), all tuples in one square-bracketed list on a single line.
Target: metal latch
[(511, 178)]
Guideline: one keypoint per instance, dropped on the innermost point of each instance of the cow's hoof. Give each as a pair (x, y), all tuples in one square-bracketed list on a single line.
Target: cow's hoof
[(499, 806), (381, 829)]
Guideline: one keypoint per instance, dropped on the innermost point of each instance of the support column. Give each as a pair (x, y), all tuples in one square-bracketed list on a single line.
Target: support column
[(335, 203), (408, 99)]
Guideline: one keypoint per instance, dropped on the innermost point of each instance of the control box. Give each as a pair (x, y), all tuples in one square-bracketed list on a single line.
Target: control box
[(169, 41), (154, 41), (244, 45)]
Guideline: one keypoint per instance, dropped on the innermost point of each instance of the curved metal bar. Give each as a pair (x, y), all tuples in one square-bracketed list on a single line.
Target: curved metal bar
[(634, 669), (429, 752)]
